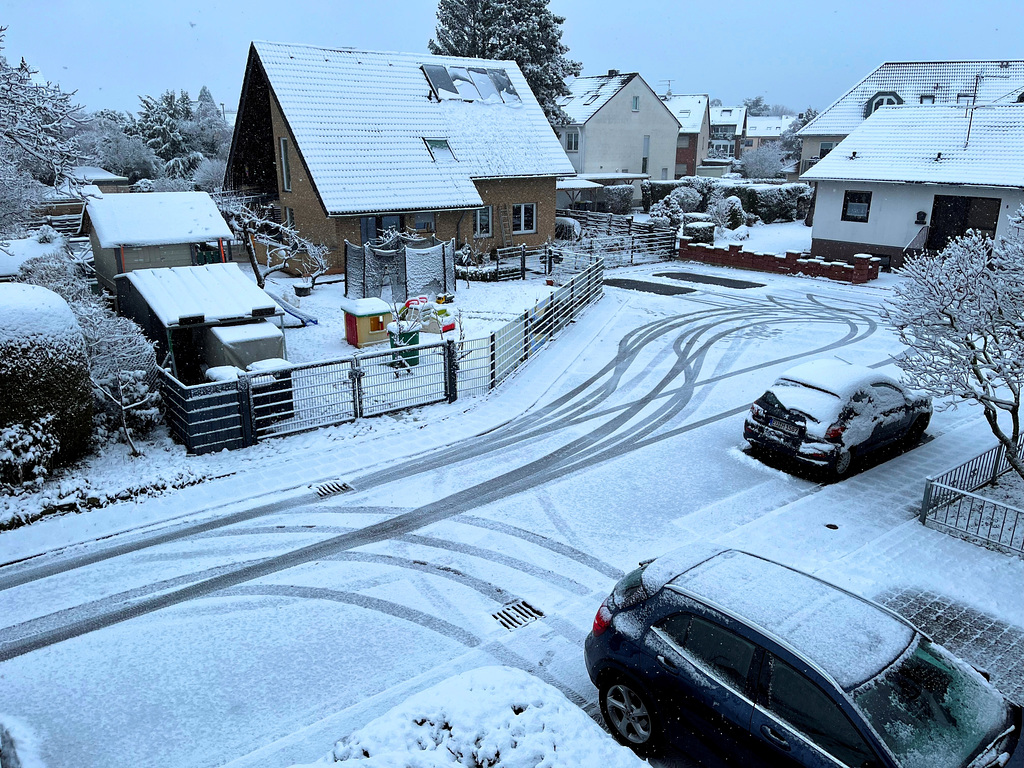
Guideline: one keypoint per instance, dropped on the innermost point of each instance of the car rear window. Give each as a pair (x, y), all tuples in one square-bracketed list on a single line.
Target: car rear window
[(630, 589)]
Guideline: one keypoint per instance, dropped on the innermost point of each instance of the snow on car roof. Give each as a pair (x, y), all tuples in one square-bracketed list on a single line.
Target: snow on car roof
[(156, 218), (835, 376), (850, 638)]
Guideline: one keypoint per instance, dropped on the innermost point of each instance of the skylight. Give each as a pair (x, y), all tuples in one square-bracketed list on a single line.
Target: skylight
[(440, 150), (591, 99), (471, 84), (684, 113)]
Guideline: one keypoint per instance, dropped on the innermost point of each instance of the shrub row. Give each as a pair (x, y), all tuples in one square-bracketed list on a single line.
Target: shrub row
[(768, 201)]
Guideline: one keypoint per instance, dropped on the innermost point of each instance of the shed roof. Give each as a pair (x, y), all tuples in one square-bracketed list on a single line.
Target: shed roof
[(209, 294), (155, 218), (688, 109), (361, 120), (981, 146), (589, 94), (910, 80), (92, 174)]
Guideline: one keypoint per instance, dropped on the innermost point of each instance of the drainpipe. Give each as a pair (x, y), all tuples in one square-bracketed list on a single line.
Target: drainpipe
[(458, 230)]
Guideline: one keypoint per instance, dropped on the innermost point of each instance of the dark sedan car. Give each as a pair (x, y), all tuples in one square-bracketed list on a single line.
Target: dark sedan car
[(773, 667), (827, 413)]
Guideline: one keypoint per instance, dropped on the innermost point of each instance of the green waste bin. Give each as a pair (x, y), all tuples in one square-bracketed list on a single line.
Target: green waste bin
[(404, 338)]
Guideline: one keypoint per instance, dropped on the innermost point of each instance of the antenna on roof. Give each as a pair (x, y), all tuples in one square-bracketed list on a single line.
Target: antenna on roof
[(668, 89)]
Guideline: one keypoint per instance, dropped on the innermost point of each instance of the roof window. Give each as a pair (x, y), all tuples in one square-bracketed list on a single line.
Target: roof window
[(726, 113), (471, 84), (928, 98), (591, 99), (440, 150)]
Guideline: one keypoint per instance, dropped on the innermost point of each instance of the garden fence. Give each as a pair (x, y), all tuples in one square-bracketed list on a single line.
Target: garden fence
[(950, 504), (295, 398)]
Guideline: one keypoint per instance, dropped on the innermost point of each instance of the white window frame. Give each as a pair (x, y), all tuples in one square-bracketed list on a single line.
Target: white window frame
[(572, 141), (636, 103), (286, 171), (477, 231), (519, 220)]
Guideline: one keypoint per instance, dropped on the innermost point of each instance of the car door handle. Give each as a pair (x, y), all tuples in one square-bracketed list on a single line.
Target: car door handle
[(667, 663), (775, 737)]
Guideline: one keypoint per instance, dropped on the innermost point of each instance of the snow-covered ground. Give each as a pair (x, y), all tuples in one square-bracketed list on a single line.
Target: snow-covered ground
[(769, 238), (261, 633)]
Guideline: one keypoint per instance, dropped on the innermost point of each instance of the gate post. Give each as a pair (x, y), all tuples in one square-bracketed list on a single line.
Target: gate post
[(246, 411), (926, 503), (494, 363), (355, 376), (451, 371), (522, 262)]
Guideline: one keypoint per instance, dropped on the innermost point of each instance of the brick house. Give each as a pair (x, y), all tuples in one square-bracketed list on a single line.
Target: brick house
[(620, 129), (728, 129), (346, 143), (909, 178), (694, 116), (920, 83)]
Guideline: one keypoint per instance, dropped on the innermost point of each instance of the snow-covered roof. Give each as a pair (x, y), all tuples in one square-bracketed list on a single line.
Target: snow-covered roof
[(155, 218), (939, 145), (95, 175), (944, 81), (362, 119), (208, 294), (729, 116), (768, 126), (365, 307), (612, 176), (688, 109), (589, 94), (850, 638), (566, 184)]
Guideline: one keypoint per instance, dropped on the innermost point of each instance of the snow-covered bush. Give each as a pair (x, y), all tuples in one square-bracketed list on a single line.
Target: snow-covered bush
[(689, 199), (667, 213), (46, 234), (646, 198), (765, 162), (209, 176), (44, 370), (567, 228), (619, 198), (701, 232), (491, 716), (27, 452)]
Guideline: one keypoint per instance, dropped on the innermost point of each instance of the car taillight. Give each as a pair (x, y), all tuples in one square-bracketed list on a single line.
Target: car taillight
[(835, 431), (602, 619), (757, 411)]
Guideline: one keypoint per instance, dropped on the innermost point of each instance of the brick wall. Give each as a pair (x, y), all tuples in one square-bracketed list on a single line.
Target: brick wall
[(688, 156), (863, 268)]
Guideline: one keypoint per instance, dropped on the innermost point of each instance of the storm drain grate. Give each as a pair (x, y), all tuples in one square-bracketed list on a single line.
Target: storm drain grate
[(333, 488), (517, 614)]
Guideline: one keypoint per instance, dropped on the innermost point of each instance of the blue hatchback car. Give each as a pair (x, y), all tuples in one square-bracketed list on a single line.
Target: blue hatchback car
[(776, 667)]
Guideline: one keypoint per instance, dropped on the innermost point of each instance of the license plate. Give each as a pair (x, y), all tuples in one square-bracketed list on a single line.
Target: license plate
[(784, 426)]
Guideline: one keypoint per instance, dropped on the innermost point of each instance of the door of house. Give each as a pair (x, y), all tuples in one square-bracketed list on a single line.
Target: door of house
[(952, 216)]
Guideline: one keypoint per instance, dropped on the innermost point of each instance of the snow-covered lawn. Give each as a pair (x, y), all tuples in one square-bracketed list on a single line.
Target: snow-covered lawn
[(768, 238), (494, 716)]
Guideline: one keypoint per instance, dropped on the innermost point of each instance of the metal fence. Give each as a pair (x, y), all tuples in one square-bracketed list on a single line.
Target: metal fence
[(951, 506), (295, 398)]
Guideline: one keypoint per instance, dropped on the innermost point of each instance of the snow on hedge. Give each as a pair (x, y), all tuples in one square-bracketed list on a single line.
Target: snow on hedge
[(29, 311), (495, 716)]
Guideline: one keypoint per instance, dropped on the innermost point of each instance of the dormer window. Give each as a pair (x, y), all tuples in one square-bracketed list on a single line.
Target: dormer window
[(928, 99), (439, 150), (882, 99), (726, 113)]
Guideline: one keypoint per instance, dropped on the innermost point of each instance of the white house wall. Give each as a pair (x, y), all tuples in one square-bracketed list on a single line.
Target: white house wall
[(891, 219)]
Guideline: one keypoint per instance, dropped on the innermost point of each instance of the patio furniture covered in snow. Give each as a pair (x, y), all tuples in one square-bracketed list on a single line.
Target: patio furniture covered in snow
[(202, 317), (153, 229)]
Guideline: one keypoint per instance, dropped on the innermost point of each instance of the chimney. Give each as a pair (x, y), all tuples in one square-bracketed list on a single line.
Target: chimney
[(612, 72)]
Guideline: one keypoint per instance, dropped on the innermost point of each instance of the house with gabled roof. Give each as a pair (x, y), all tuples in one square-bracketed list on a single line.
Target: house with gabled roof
[(728, 128), (694, 116), (909, 178), (345, 144), (910, 83), (619, 128), (764, 129)]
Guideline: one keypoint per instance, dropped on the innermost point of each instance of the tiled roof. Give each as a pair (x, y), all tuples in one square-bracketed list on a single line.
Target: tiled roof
[(589, 94), (729, 116), (360, 119), (910, 80), (688, 109), (940, 145), (768, 126)]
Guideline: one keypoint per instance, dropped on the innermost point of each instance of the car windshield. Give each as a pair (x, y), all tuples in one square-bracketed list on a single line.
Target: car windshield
[(932, 710)]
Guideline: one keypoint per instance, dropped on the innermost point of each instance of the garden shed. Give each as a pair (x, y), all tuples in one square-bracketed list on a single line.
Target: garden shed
[(193, 316), (153, 229)]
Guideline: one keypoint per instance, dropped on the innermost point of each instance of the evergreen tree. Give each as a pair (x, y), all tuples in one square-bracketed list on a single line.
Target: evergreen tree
[(792, 144), (524, 31), (756, 106)]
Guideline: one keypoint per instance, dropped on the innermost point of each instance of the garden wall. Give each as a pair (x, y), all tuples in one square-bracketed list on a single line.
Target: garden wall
[(863, 268)]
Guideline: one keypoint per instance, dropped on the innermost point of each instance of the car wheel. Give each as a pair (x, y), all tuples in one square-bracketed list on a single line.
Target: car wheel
[(916, 431), (842, 464), (630, 716)]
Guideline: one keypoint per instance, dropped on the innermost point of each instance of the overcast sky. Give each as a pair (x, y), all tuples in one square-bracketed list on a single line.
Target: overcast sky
[(793, 52)]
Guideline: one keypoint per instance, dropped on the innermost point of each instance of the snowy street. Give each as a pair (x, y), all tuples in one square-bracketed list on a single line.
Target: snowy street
[(258, 634)]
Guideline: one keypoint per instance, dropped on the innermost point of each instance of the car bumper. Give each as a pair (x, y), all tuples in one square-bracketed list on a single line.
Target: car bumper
[(814, 453)]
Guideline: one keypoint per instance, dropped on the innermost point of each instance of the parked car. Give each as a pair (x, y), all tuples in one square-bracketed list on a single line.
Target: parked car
[(826, 413), (771, 666)]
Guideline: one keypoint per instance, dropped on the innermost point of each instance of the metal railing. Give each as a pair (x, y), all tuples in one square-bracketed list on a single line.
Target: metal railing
[(295, 398), (951, 505)]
